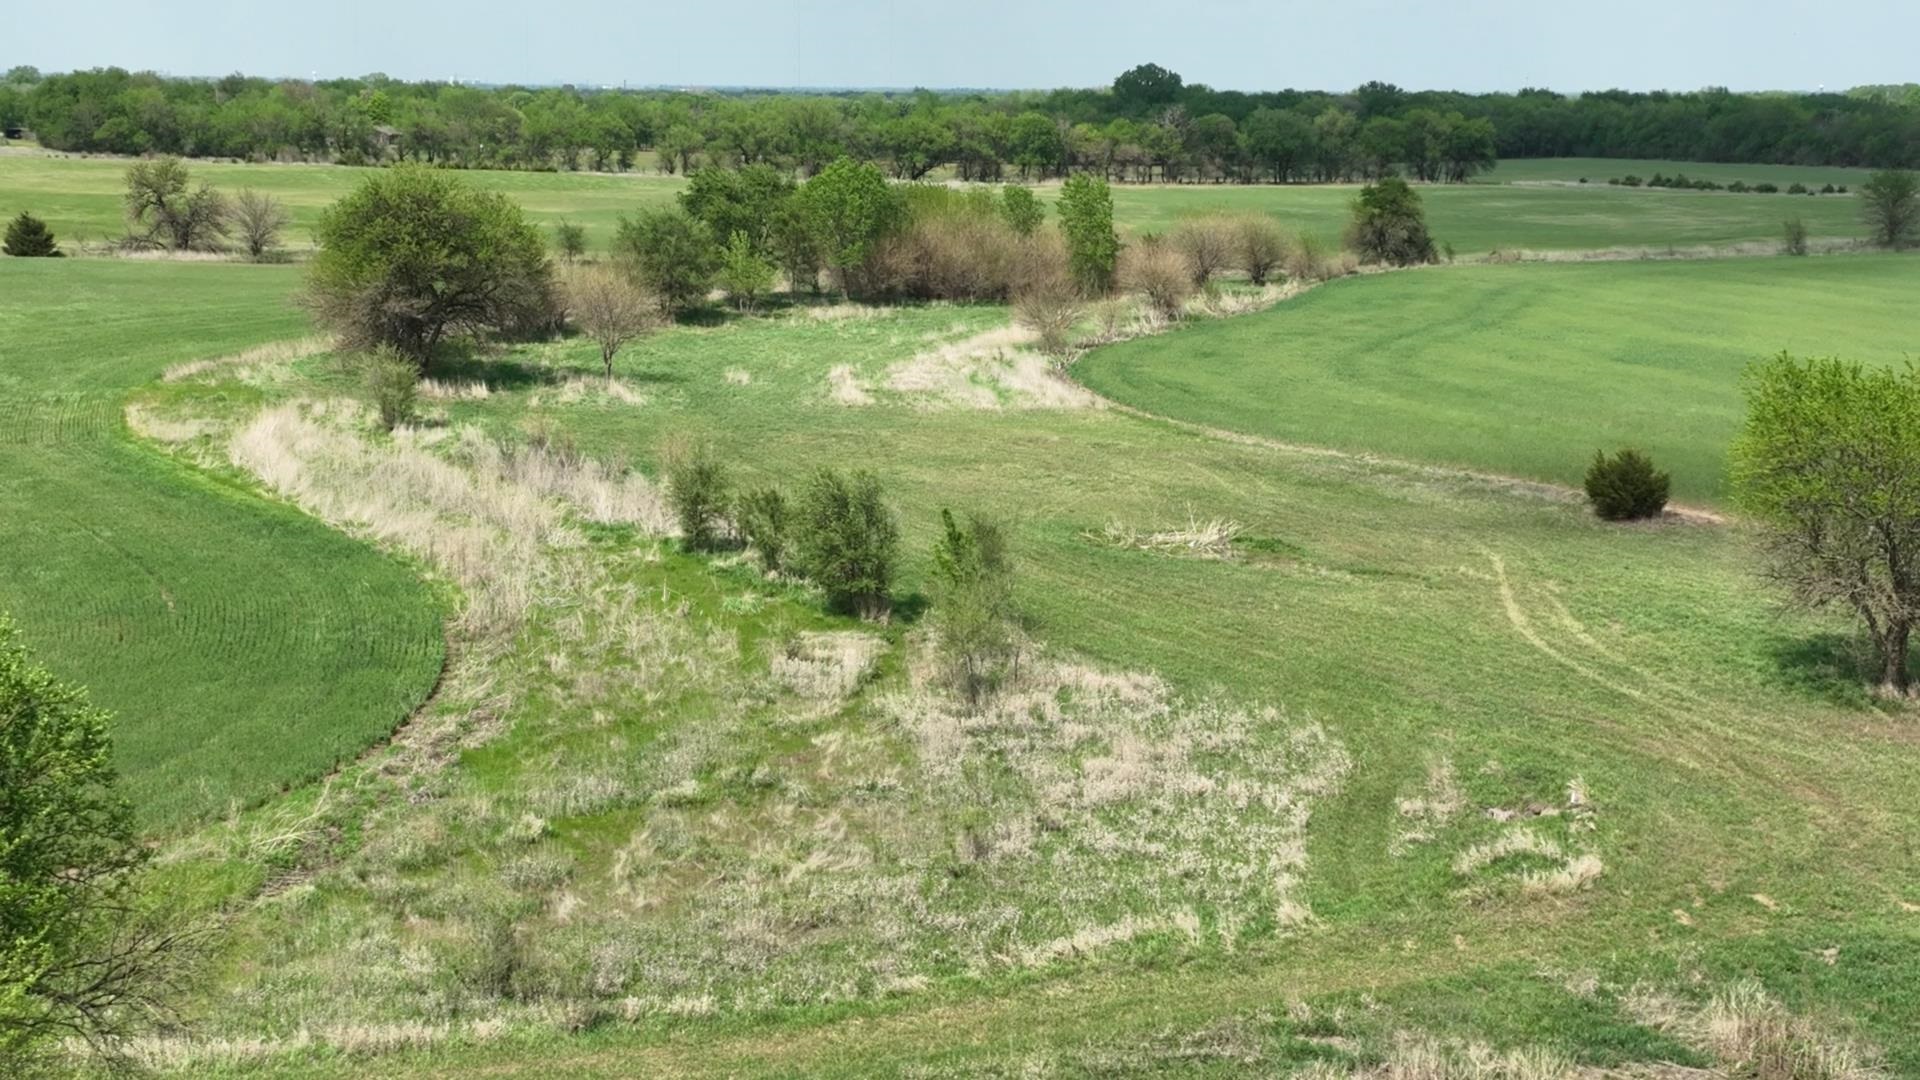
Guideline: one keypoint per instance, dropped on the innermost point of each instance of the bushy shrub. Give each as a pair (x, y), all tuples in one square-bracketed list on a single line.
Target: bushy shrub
[(1796, 188), (1738, 187), (1260, 246), (1766, 188), (1160, 272), (1052, 313), (959, 246), (763, 520), (974, 613), (1796, 242), (697, 485), (1630, 180), (570, 240), (671, 252), (392, 380), (1086, 217), (29, 238), (1209, 244), (1626, 486), (745, 276), (1389, 225), (847, 542), (1022, 209), (1826, 189)]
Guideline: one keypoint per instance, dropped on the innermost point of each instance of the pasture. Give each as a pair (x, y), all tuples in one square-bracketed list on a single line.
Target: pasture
[(1523, 370), (1321, 740), (243, 646), (80, 198)]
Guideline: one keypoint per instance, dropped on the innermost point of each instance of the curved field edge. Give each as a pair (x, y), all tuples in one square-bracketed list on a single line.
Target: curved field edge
[(242, 646), (1572, 357)]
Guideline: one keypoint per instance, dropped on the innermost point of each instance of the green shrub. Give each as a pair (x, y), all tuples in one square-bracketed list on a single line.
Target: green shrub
[(1389, 225), (763, 520), (847, 541), (570, 240), (1022, 209), (1765, 187), (697, 491), (393, 385), (672, 252), (1796, 188), (1796, 243), (1626, 486), (29, 238), (974, 614), (744, 274)]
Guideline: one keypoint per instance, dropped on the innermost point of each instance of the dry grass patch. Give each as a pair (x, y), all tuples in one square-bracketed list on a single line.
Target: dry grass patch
[(987, 370), (272, 353), (1212, 538)]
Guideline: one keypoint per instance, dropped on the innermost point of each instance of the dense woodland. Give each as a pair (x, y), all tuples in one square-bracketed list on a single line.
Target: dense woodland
[(1149, 125)]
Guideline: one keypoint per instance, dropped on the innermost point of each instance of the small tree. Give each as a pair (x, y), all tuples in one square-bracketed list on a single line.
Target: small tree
[(1829, 462), (609, 308), (1626, 486), (1160, 272), (671, 252), (1389, 225), (78, 956), (850, 207), (1260, 246), (744, 275), (1086, 215), (1890, 203), (260, 219), (393, 384), (164, 213), (570, 241), (974, 613), (763, 519), (1022, 209), (847, 541), (29, 238), (414, 254), (796, 246), (1796, 242), (697, 485), (1208, 242)]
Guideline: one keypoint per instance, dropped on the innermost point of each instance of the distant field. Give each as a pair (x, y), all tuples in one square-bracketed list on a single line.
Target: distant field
[(1522, 369), (80, 198), (1597, 170), (242, 645)]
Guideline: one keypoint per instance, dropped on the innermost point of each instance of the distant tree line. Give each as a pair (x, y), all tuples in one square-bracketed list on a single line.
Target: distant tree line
[(1149, 125)]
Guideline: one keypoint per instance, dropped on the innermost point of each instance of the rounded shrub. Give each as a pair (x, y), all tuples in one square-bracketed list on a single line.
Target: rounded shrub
[(1626, 486)]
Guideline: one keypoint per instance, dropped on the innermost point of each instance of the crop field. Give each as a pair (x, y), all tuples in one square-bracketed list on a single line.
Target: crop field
[(80, 199), (1523, 370), (1345, 733), (244, 646)]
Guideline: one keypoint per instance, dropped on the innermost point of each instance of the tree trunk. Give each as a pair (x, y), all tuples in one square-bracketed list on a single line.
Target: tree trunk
[(1895, 680)]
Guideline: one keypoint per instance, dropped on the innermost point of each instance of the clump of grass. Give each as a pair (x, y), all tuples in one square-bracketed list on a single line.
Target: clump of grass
[(1209, 539)]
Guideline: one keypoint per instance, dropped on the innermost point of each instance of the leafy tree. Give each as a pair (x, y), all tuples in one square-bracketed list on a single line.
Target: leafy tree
[(1034, 143), (260, 219), (1022, 209), (796, 245), (744, 274), (974, 612), (1890, 203), (164, 213), (745, 200), (609, 308), (671, 252), (1279, 141), (571, 240), (29, 238), (847, 541), (1796, 242), (80, 956), (1389, 225), (1145, 87), (1626, 486), (1086, 216), (414, 254), (697, 487), (1829, 462), (850, 207)]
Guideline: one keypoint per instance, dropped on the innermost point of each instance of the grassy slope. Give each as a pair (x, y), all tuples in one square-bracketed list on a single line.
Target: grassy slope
[(80, 199), (1522, 370), (1415, 615), (243, 646)]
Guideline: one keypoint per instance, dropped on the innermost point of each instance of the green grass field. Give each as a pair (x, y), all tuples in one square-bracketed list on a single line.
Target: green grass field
[(1598, 170), (243, 646), (80, 199), (1399, 750), (1524, 370)]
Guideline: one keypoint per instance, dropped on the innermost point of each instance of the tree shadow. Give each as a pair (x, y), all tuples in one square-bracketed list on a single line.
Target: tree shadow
[(500, 371), (1838, 668)]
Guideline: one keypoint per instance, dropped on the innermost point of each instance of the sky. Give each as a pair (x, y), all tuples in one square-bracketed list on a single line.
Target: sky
[(1474, 45)]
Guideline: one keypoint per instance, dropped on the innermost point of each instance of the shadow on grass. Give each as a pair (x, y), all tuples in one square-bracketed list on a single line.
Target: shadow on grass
[(1838, 668)]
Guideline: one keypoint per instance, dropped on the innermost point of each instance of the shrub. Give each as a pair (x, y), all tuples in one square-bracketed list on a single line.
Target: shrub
[(1826, 189), (570, 240), (1738, 187), (1583, 179), (1208, 243), (952, 248), (1051, 313), (1630, 180), (1160, 272), (1765, 187), (1796, 242), (671, 252), (849, 207), (763, 520), (29, 238), (973, 605), (1260, 246), (1389, 225), (847, 541), (744, 275), (1022, 209), (392, 380), (1890, 205), (1086, 217), (609, 308), (1626, 486), (1796, 188), (697, 486), (260, 219)]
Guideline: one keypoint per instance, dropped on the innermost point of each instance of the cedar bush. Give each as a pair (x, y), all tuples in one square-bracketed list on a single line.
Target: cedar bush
[(1626, 486), (29, 238), (764, 522), (697, 485)]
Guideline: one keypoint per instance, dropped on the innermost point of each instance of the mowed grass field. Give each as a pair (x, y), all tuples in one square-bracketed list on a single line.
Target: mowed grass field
[(243, 646), (1522, 369), (81, 199)]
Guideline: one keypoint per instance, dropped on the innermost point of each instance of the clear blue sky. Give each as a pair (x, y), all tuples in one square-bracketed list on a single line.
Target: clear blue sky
[(1238, 44)]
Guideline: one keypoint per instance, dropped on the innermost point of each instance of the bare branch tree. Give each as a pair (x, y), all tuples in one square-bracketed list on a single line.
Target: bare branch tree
[(610, 309), (260, 219)]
